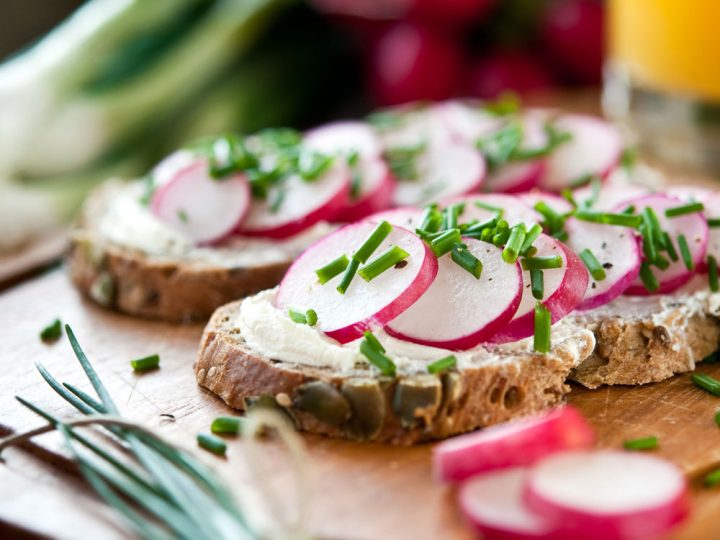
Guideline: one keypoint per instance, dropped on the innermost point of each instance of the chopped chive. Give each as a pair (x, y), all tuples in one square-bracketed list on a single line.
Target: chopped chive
[(593, 265), (297, 316), (514, 244), (622, 220), (561, 235), (386, 260), (629, 209), (492, 208), (537, 284), (713, 273), (348, 276), (444, 364), (476, 229), (644, 443), (377, 359), (501, 238), (51, 332), (707, 383), (531, 251), (661, 262), (685, 252), (713, 478), (452, 214), (542, 263), (567, 194), (541, 338), (431, 219), (553, 220), (276, 199), (648, 278), (717, 418), (445, 241), (183, 216), (690, 208), (311, 317), (374, 342), (332, 269), (147, 363), (502, 225), (212, 443), (653, 223), (466, 260), (670, 247), (713, 222), (229, 425), (373, 242)]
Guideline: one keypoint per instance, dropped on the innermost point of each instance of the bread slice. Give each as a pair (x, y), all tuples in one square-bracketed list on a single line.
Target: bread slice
[(500, 384), (122, 258)]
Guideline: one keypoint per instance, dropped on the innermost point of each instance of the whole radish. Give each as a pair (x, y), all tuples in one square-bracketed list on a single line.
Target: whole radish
[(500, 71), (450, 13)]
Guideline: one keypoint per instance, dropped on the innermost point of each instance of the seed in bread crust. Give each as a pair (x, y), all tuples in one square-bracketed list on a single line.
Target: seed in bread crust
[(323, 401), (417, 398), (367, 401)]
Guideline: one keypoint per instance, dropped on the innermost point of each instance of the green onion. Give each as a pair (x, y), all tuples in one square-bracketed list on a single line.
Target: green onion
[(403, 161), (147, 363), (543, 322), (497, 147), (685, 252), (630, 209), (377, 358), (706, 382), (211, 443), (312, 165), (501, 238), (622, 220), (593, 265), (502, 225), (444, 364), (713, 478), (654, 228), (553, 220), (717, 418), (561, 235), (476, 229), (311, 316), (51, 332), (712, 273), (466, 260), (348, 275), (332, 269), (648, 278), (383, 262), (373, 241), (487, 206), (531, 235), (648, 246), (445, 241), (713, 222), (670, 247), (375, 342), (431, 219), (567, 194), (277, 197), (514, 244), (661, 262), (537, 285), (452, 213), (644, 443), (229, 425), (690, 208), (297, 316), (542, 263)]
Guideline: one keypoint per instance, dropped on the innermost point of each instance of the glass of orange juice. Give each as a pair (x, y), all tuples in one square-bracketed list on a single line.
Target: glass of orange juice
[(662, 77)]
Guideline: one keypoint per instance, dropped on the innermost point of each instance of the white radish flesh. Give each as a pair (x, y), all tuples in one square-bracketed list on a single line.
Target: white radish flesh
[(560, 205), (200, 207), (482, 208), (467, 122), (365, 305), (692, 226), (344, 138), (594, 149), (375, 193), (472, 309), (521, 442), (610, 197), (608, 495), (564, 289), (408, 217), (515, 177), (493, 503), (303, 204), (616, 249)]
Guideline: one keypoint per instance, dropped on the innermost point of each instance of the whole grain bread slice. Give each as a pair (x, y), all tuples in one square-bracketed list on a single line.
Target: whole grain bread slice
[(505, 382)]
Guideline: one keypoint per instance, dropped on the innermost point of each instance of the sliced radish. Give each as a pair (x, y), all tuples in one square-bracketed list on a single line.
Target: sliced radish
[(695, 229), (407, 217), (610, 196), (494, 504), (365, 305), (170, 166), (467, 121), (560, 205), (515, 177), (303, 205), (444, 169), (712, 211), (595, 149), (564, 289), (481, 208), (616, 249), (344, 138), (521, 442), (199, 206), (689, 193), (468, 310), (377, 188), (608, 495)]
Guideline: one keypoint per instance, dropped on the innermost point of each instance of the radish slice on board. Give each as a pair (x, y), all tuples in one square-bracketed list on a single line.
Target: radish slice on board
[(170, 166), (199, 206), (493, 503), (372, 184), (594, 149), (564, 289), (608, 495), (616, 249), (303, 204), (472, 309), (365, 305), (407, 217), (521, 442), (692, 226)]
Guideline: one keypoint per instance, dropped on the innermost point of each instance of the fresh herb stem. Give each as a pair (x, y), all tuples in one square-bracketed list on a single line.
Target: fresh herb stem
[(348, 276), (374, 341), (442, 365), (593, 265), (543, 328), (227, 425), (466, 260), (685, 252), (605, 218), (383, 262), (707, 383), (212, 443), (648, 278), (311, 317), (51, 332), (146, 364), (373, 242), (670, 247), (492, 208), (537, 285), (444, 242), (514, 244), (713, 273), (713, 222), (431, 219), (717, 418), (452, 213), (690, 208), (644, 443), (297, 316), (532, 234), (713, 478), (542, 263), (553, 221), (332, 269), (377, 358)]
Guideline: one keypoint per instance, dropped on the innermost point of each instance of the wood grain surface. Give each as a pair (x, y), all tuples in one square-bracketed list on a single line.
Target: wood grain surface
[(359, 491)]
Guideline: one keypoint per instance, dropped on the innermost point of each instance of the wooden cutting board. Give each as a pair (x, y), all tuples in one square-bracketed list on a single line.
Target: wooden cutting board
[(359, 491)]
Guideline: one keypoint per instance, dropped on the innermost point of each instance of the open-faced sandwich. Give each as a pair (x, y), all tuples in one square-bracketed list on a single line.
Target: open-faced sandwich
[(420, 323), (225, 218)]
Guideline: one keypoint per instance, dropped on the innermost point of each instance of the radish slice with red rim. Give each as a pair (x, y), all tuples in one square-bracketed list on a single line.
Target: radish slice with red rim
[(302, 204), (375, 192), (521, 442), (615, 248), (515, 177), (608, 495), (459, 311), (467, 122), (200, 207), (407, 217), (564, 289), (365, 305), (594, 150), (494, 504), (344, 138), (692, 226), (170, 166)]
